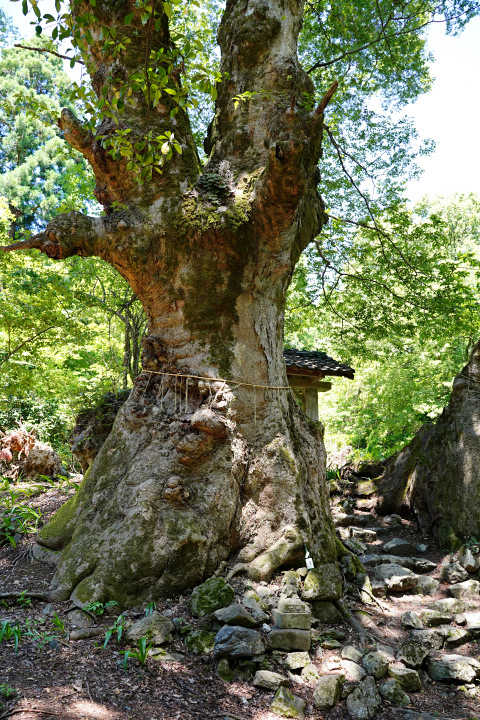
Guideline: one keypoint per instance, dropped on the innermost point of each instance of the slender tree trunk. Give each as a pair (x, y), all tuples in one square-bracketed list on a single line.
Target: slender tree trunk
[(211, 455)]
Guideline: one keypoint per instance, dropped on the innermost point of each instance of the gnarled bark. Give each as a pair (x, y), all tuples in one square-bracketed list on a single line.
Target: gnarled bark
[(211, 455), (437, 475)]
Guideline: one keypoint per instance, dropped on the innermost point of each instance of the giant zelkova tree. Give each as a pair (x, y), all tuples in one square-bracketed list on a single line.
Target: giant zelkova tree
[(210, 458)]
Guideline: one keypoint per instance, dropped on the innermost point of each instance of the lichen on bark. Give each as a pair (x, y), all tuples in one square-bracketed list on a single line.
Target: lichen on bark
[(166, 502)]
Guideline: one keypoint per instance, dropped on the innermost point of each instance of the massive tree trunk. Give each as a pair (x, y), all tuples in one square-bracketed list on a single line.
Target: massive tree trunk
[(437, 475), (198, 469)]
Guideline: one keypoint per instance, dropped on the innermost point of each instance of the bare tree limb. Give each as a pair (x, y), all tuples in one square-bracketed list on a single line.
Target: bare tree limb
[(49, 52)]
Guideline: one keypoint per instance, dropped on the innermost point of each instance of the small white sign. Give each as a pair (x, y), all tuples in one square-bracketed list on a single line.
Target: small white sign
[(308, 561)]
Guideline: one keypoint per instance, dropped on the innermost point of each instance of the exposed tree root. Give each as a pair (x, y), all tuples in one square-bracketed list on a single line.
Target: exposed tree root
[(365, 636), (25, 593)]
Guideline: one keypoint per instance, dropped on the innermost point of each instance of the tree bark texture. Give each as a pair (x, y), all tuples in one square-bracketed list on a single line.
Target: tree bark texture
[(198, 469), (437, 475)]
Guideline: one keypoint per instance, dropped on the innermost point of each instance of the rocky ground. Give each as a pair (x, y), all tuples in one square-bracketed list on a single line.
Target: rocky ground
[(398, 638)]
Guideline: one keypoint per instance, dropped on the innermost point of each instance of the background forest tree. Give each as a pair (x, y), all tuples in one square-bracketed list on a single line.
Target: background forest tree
[(367, 157)]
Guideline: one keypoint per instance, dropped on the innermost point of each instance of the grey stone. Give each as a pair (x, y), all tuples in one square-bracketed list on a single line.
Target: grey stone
[(356, 546), (467, 590), (323, 583), (235, 615), (253, 602), (392, 520), (353, 671), (327, 691), (310, 673), (448, 605), (421, 565), (395, 577), (421, 547), (297, 621), (326, 612), (224, 671), (238, 642), (457, 668), (286, 704), (453, 572), (363, 534), (431, 638), (43, 554), (297, 660), (159, 654), (269, 680), (426, 586), (350, 652), (200, 642), (375, 664), (279, 639), (79, 619), (364, 702), (391, 691), (210, 596), (473, 623), (156, 628), (360, 520), (460, 619), (412, 653), (411, 621), (400, 548), (468, 560), (407, 678), (434, 618), (455, 637)]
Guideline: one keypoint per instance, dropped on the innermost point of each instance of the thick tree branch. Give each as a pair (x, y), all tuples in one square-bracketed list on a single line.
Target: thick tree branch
[(68, 234), (326, 98), (74, 131)]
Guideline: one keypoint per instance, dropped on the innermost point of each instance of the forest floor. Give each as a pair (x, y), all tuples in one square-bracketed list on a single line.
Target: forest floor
[(53, 676)]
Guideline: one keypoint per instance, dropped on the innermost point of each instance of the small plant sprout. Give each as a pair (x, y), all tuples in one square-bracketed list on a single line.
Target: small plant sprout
[(98, 608), (24, 600), (150, 608), (59, 624), (7, 692), (118, 628), (140, 653)]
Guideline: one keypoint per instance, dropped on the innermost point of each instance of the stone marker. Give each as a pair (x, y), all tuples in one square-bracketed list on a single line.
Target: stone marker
[(279, 639), (292, 620)]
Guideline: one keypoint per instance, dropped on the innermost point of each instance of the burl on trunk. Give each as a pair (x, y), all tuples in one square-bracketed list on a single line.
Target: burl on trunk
[(211, 455)]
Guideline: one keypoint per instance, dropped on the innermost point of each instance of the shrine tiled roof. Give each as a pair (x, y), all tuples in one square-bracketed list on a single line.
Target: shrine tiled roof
[(314, 362)]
